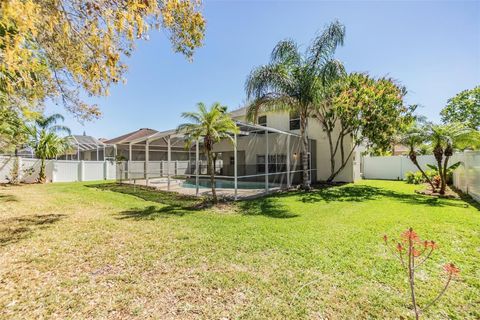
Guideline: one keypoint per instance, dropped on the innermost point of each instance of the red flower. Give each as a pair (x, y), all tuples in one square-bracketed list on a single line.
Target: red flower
[(399, 247), (416, 253), (451, 269), (430, 244), (410, 235)]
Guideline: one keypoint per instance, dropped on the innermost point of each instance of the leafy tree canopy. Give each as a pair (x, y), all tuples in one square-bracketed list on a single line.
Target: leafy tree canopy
[(464, 108), (371, 110), (58, 48)]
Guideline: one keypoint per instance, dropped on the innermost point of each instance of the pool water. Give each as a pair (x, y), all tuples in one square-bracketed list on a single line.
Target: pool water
[(227, 184)]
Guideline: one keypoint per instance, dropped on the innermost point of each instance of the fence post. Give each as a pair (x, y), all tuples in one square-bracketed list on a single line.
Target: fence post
[(20, 164), (105, 170), (81, 170), (54, 166)]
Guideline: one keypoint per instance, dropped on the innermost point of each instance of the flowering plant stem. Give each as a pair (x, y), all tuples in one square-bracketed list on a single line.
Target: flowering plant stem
[(411, 239)]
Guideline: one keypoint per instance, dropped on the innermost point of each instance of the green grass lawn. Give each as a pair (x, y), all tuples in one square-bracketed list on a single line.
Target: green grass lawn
[(89, 250)]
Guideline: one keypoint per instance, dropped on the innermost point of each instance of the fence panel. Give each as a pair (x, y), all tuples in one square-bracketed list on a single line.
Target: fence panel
[(467, 176), (6, 166), (93, 170), (385, 168), (393, 167), (66, 171), (57, 170), (30, 170)]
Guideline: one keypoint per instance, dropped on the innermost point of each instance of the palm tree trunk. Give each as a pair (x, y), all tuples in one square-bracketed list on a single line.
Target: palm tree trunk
[(41, 174), (438, 153), (304, 144), (444, 176), (212, 175), (413, 158)]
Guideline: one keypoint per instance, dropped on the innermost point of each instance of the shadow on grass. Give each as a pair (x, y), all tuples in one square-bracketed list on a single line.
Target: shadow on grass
[(174, 204), (467, 198), (15, 229), (8, 198), (268, 207), (152, 213), (358, 193)]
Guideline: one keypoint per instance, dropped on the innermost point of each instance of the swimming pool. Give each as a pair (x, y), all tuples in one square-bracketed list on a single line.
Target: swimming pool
[(227, 184)]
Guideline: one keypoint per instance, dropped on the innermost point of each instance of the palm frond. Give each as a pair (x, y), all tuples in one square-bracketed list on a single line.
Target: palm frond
[(286, 52), (270, 102), (325, 44), (267, 78)]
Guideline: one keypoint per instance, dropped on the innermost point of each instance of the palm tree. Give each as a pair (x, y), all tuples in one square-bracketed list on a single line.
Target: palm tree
[(211, 126), (414, 138), (50, 123), (291, 80), (45, 141), (444, 139)]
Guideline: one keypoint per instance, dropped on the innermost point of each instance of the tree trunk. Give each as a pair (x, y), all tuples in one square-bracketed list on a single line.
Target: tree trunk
[(438, 153), (332, 153), (305, 169), (212, 176), (41, 175), (444, 175), (413, 158), (344, 163)]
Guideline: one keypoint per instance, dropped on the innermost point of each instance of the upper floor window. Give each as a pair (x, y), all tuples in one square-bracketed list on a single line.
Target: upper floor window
[(262, 121), (294, 121)]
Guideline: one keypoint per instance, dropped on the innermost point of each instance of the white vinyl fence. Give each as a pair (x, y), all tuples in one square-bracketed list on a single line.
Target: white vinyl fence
[(393, 167), (57, 170), (466, 177)]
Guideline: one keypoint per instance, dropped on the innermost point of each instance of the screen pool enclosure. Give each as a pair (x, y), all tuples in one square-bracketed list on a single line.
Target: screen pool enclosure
[(261, 160)]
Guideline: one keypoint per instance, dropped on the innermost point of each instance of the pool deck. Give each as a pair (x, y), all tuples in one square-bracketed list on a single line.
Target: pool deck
[(176, 186)]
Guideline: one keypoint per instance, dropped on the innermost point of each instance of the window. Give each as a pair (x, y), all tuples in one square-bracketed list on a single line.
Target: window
[(262, 121), (294, 121), (260, 163), (276, 163)]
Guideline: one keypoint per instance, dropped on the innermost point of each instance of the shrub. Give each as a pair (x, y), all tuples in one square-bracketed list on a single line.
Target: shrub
[(414, 177)]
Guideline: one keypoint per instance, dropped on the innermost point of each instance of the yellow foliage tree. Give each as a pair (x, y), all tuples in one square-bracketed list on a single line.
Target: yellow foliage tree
[(59, 48)]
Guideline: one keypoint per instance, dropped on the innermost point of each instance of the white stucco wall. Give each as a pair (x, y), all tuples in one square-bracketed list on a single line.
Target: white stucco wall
[(281, 121)]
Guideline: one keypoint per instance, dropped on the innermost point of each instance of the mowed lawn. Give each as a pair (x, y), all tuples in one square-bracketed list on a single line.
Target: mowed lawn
[(90, 250)]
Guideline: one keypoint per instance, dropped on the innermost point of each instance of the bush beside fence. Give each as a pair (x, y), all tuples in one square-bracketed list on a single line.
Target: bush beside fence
[(466, 177)]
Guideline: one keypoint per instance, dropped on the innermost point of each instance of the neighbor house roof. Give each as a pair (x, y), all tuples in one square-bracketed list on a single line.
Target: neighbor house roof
[(239, 112), (83, 139), (126, 138), (84, 142)]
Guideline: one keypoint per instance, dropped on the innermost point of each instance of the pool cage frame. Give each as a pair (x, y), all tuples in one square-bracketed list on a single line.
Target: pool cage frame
[(171, 140)]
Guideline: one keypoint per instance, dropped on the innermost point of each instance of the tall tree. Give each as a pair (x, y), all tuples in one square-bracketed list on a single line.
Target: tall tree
[(445, 139), (290, 82), (366, 111), (209, 126), (464, 108), (59, 48), (44, 138)]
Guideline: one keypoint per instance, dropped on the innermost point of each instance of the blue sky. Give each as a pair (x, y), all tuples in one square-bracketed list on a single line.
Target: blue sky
[(433, 48)]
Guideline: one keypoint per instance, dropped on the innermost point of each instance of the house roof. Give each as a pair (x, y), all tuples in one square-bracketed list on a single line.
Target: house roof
[(126, 138), (87, 140), (84, 142), (238, 112)]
